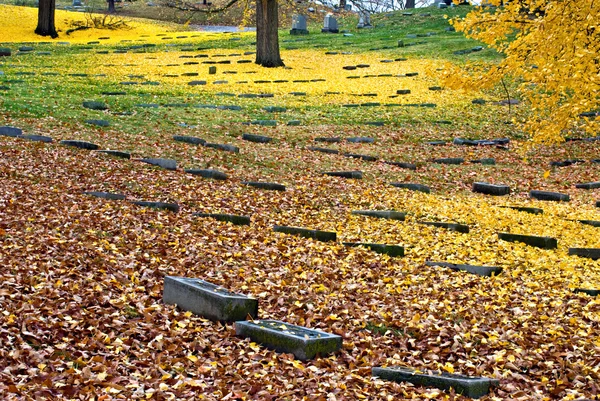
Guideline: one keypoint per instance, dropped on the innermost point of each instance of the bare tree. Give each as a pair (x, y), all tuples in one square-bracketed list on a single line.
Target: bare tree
[(46, 25)]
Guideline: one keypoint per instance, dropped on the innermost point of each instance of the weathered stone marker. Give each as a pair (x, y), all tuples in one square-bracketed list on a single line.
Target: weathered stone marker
[(591, 253), (491, 189), (345, 174), (334, 139), (80, 144), (105, 195), (473, 387), (409, 166), (323, 150), (382, 214), (97, 122), (367, 158), (412, 186), (257, 138), (172, 207), (590, 292), (461, 228), (265, 185), (189, 139), (486, 271), (549, 196), (207, 173), (95, 105), (324, 236), (391, 250), (231, 218), (208, 300), (299, 25), (225, 147), (330, 24), (37, 138), (361, 139), (168, 164), (531, 240), (11, 131), (592, 223), (116, 153), (450, 160), (304, 343), (532, 210), (588, 185)]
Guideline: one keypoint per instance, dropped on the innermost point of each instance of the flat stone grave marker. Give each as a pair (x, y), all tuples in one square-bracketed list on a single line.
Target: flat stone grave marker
[(491, 189), (531, 240), (486, 271), (221, 146), (473, 387), (189, 139), (591, 253), (592, 223), (345, 174), (436, 143), (382, 214), (303, 343), (168, 164), (403, 92), (324, 150), (93, 105), (588, 185), (172, 207), (116, 93), (80, 144), (231, 218), (450, 160), (37, 138), (196, 83), (275, 109), (566, 163), (549, 196), (11, 131), (256, 138), (207, 173), (375, 123), (116, 153), (412, 186), (271, 186), (532, 210), (367, 158), (390, 250), (5, 52), (335, 139), (208, 300), (294, 123), (485, 161), (265, 123), (147, 105), (461, 228), (99, 123), (598, 203), (590, 292), (318, 235), (105, 195), (360, 139), (409, 166)]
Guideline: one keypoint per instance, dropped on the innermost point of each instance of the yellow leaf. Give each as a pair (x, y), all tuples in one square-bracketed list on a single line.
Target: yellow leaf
[(192, 358), (546, 173)]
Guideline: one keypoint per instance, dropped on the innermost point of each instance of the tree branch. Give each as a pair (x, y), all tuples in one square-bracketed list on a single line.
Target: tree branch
[(189, 7)]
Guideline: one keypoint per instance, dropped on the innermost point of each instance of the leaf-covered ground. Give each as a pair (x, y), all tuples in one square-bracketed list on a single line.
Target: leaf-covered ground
[(82, 278)]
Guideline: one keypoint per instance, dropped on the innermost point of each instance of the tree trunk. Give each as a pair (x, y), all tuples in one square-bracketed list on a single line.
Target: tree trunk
[(267, 41), (409, 4), (111, 7), (45, 25)]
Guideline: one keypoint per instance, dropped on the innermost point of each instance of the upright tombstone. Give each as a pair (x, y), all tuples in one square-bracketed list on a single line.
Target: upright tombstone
[(77, 3), (299, 25), (330, 24), (364, 20)]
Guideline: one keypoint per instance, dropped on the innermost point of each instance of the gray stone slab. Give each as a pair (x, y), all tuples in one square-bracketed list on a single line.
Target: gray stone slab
[(256, 138), (208, 173), (265, 123), (345, 174), (531, 240), (231, 218), (189, 139), (461, 228), (360, 139), (588, 185), (303, 343), (80, 144), (412, 186), (590, 292), (367, 158), (271, 186), (11, 131), (382, 214), (391, 250), (99, 123), (473, 387), (409, 166), (485, 161), (486, 271), (590, 253), (592, 223), (323, 150), (105, 195), (222, 146), (566, 163), (172, 207), (116, 153), (491, 189), (450, 160), (275, 109), (532, 210), (93, 105), (549, 196), (324, 236), (168, 164), (334, 139), (37, 138), (208, 300)]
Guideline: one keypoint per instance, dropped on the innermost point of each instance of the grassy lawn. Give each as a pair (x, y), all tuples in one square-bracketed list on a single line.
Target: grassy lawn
[(82, 277)]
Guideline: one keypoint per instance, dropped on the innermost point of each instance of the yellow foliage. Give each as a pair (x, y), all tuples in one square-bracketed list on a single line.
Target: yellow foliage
[(551, 48)]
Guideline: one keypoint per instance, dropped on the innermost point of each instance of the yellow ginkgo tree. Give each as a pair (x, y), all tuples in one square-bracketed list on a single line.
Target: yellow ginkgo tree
[(552, 50)]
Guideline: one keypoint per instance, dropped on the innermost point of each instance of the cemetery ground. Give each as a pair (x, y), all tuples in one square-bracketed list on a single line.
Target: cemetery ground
[(82, 277)]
